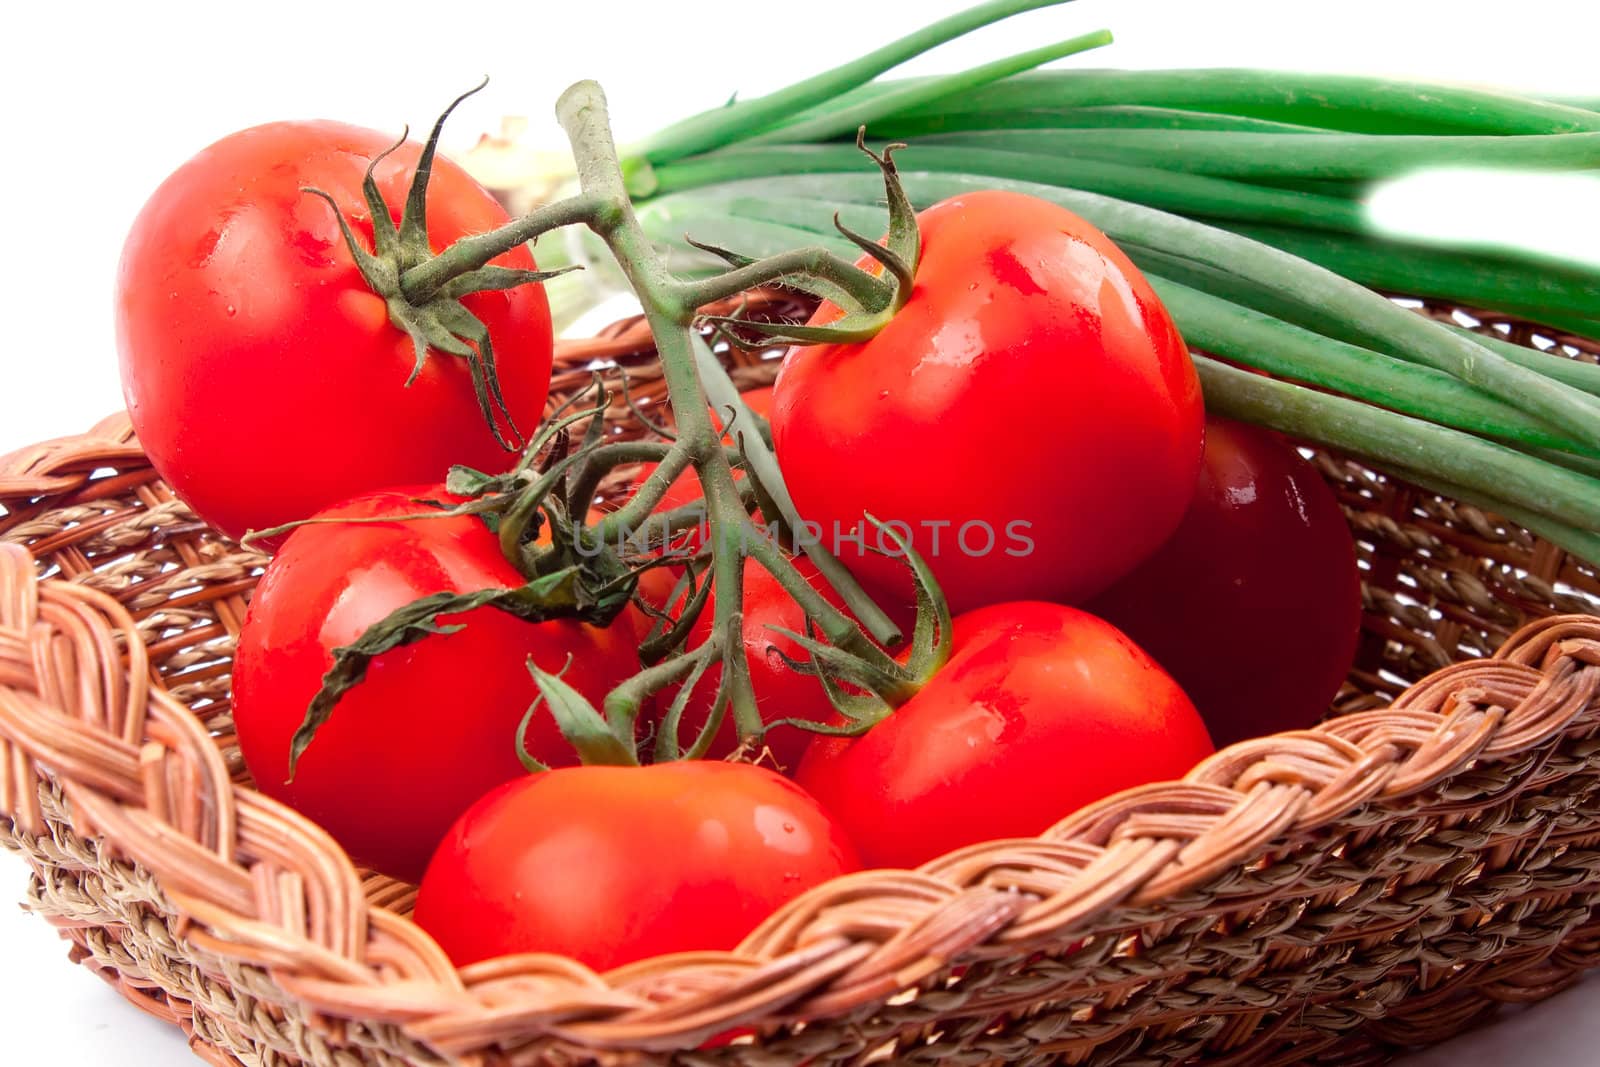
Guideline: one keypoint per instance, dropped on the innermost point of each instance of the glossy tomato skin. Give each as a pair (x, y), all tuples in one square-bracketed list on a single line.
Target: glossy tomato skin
[(613, 864), (262, 374), (1032, 378), (433, 726), (1254, 604), (1040, 710)]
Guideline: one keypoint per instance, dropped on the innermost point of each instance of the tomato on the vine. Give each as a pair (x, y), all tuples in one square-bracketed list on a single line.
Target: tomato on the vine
[(782, 692), (613, 864), (1040, 710), (1030, 415), (263, 374), (685, 488), (1254, 605), (433, 726)]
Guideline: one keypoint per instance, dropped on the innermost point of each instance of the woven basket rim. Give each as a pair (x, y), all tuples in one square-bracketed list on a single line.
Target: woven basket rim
[(852, 943)]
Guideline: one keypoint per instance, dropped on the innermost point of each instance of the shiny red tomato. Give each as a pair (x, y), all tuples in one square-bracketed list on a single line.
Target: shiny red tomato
[(1254, 605), (1040, 710), (614, 864), (263, 375), (433, 726), (1031, 414)]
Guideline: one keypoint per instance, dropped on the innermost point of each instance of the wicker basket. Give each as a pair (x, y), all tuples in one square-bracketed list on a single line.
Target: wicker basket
[(1327, 897)]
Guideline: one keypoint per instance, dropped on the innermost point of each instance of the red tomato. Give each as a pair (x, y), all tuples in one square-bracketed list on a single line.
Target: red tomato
[(781, 691), (433, 726), (1040, 710), (263, 375), (614, 864), (1031, 413), (1254, 605)]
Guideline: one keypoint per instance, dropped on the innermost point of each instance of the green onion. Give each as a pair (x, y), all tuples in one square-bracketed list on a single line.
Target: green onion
[(1582, 103), (1249, 337), (1188, 193), (717, 127), (1239, 193), (1339, 156), (1573, 372), (1105, 117), (845, 120), (1333, 101), (1487, 280)]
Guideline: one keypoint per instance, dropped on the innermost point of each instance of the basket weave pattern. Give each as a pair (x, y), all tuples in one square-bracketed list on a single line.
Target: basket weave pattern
[(1326, 896)]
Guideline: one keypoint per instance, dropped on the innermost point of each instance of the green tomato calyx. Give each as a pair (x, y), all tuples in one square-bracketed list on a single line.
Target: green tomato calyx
[(868, 299), (865, 689), (433, 316)]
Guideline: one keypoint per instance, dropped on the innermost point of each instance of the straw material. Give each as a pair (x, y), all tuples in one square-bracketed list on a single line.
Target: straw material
[(1327, 896)]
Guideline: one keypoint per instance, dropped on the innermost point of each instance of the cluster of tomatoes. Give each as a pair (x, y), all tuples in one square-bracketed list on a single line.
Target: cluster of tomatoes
[(1130, 582)]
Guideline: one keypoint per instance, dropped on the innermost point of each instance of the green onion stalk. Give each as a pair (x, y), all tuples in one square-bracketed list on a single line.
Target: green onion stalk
[(1240, 193)]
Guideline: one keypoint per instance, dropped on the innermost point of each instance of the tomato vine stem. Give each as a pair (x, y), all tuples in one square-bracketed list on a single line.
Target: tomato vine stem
[(670, 314), (423, 281), (671, 307), (869, 291), (582, 570)]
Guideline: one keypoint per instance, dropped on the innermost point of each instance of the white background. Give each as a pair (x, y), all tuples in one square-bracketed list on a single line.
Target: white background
[(100, 103)]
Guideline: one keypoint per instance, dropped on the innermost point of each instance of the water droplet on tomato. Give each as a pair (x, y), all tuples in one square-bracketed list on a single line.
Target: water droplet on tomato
[(780, 832), (231, 311)]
